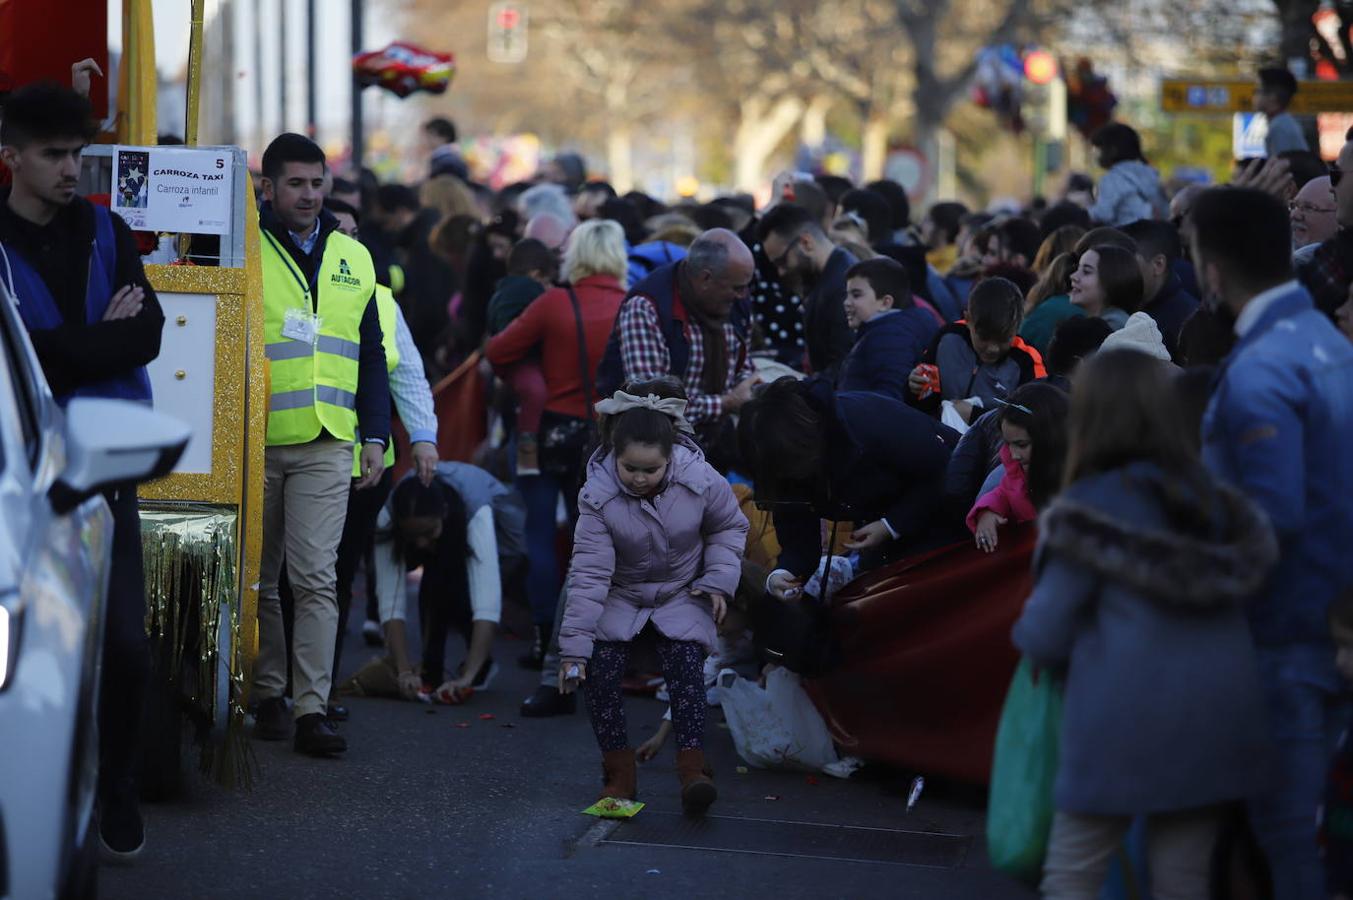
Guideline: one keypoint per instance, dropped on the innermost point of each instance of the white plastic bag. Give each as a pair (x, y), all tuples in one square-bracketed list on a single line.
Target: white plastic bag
[(777, 727), (949, 416)]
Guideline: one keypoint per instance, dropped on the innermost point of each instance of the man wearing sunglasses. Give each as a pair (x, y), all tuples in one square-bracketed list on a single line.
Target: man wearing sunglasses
[(1328, 270)]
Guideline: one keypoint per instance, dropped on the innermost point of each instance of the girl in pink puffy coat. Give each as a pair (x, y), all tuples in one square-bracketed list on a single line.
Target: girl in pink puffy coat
[(659, 543), (1033, 426)]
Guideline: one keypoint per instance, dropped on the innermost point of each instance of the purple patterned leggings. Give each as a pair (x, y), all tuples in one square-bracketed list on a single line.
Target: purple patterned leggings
[(682, 665)]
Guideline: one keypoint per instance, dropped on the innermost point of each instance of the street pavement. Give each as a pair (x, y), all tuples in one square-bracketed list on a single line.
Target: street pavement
[(446, 802)]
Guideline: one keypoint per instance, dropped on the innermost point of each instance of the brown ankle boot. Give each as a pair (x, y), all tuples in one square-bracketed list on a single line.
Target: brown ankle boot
[(697, 789), (618, 769)]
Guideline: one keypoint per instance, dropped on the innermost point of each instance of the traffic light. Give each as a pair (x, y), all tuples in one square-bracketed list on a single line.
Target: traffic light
[(507, 33)]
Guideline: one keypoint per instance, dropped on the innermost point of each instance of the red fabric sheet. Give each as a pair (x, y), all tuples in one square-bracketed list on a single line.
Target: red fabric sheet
[(928, 658), (40, 40), (460, 400)]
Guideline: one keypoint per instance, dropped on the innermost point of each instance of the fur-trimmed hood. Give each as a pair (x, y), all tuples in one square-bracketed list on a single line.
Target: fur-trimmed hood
[(1226, 567)]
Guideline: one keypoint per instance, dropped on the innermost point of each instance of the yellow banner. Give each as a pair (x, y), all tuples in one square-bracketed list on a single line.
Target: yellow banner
[(1186, 95)]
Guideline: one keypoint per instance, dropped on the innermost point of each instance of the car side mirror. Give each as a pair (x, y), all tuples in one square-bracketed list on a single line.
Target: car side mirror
[(112, 442)]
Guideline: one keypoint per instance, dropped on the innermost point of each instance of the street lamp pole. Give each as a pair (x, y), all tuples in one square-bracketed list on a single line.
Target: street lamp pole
[(260, 117), (282, 65), (311, 113), (357, 41)]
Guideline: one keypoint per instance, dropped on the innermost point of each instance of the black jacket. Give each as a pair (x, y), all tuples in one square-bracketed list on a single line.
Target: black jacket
[(824, 316), (81, 353), (1171, 308), (373, 380), (429, 282), (887, 348), (977, 453), (884, 460)]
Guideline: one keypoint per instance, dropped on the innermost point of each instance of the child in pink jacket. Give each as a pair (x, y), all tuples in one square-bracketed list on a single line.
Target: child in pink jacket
[(659, 543), (1033, 426)]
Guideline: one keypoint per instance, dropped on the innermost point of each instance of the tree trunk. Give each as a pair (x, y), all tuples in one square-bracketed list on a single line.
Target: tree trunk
[(761, 127), (813, 128), (873, 146), (1297, 31), (619, 137), (620, 157), (927, 133)]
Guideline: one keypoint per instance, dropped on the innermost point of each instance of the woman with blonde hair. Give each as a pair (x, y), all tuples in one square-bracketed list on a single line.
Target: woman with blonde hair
[(562, 336), (460, 218), (1062, 240)]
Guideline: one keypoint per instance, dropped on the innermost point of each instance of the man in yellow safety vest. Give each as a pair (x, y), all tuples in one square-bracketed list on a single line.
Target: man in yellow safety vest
[(328, 390)]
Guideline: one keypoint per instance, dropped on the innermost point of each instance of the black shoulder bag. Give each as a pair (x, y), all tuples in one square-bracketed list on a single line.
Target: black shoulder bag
[(566, 441)]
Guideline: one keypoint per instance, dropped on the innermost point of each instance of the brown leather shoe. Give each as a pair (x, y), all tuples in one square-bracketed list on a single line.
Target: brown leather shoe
[(697, 788), (621, 774)]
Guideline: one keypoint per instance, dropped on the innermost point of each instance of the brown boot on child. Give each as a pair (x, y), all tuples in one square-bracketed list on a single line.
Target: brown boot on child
[(697, 788), (620, 773)]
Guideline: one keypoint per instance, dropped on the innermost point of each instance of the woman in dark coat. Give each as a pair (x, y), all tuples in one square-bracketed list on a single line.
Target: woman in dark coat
[(848, 457), (1143, 570)]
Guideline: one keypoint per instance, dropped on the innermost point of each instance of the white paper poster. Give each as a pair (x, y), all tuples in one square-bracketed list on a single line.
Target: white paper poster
[(177, 189)]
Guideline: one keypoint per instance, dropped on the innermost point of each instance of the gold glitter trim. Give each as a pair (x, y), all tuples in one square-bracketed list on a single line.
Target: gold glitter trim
[(191, 551), (188, 511), (255, 437)]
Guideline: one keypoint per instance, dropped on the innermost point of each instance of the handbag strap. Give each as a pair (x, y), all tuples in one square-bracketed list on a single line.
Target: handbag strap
[(582, 354)]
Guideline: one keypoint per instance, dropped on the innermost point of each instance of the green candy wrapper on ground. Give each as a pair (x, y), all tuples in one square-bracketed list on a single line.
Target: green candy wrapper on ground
[(610, 808)]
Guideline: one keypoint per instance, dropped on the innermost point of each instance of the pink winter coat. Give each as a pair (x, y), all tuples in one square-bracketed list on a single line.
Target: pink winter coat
[(637, 560), (1009, 499)]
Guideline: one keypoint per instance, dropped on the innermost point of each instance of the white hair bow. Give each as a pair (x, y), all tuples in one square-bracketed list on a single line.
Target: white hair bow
[(672, 407)]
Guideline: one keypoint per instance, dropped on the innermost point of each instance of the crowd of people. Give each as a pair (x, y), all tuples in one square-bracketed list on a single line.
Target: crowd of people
[(1164, 382), (1158, 379)]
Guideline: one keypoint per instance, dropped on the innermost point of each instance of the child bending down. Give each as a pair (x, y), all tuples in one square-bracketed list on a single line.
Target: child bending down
[(659, 544), (1033, 426), (531, 270)]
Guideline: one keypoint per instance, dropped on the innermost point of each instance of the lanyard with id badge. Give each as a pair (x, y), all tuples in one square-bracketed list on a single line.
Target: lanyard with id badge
[(298, 324)]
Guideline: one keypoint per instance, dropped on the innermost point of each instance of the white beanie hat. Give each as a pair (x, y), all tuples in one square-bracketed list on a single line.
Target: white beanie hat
[(1140, 334)]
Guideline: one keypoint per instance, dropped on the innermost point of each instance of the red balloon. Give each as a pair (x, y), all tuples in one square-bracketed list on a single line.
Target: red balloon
[(404, 68)]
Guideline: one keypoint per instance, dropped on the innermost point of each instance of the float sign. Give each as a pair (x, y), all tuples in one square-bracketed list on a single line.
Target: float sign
[(179, 190)]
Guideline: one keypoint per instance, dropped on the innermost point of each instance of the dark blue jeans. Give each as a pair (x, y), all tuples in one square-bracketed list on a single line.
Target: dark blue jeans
[(541, 493), (1309, 706), (126, 652)]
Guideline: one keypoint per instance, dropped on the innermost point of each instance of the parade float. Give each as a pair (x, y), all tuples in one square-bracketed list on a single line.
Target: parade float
[(193, 209)]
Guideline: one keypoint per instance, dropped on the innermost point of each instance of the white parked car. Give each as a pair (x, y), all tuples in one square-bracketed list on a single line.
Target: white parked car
[(55, 543)]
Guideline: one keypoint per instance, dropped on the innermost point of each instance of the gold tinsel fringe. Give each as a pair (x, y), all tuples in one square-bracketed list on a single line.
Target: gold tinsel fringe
[(190, 552)]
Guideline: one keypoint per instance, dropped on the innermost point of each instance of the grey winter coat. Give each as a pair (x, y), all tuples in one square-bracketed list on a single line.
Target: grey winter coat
[(1163, 708), (636, 560), (1129, 191)]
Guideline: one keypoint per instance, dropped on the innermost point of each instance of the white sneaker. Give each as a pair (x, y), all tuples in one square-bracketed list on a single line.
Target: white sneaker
[(371, 633)]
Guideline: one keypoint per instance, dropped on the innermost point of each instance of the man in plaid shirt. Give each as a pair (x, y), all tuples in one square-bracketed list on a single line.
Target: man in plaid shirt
[(715, 276)]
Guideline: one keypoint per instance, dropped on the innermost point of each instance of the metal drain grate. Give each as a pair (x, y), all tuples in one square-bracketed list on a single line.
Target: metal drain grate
[(800, 839)]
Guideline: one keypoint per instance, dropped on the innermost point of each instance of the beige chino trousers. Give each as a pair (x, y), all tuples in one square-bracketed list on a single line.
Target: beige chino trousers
[(305, 503), (1179, 852)]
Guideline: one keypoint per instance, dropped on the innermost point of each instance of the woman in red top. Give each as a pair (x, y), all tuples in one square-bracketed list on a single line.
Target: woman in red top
[(595, 264)]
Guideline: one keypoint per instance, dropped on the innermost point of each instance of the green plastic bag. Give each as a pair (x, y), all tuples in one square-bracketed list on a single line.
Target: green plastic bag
[(1020, 806)]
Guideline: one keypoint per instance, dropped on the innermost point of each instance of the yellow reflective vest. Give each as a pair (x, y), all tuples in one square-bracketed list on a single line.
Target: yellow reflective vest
[(312, 339), (386, 309)]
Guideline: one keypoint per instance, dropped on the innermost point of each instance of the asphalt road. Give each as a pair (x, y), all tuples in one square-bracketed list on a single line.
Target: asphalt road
[(433, 802)]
